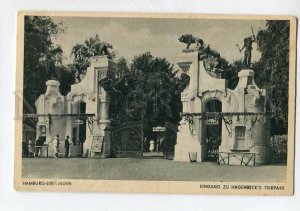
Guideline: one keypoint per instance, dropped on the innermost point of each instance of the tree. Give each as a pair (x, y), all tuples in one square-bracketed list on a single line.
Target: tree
[(41, 57), (148, 90), (231, 71), (82, 53), (272, 70), (66, 77)]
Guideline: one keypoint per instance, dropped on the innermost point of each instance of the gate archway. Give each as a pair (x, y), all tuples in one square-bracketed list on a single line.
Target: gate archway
[(213, 129), (79, 128), (170, 140)]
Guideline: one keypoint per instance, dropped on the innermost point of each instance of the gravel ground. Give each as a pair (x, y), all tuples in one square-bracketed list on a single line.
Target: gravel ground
[(147, 169)]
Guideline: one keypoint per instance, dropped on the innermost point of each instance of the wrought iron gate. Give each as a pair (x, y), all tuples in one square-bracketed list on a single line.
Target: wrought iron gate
[(127, 140)]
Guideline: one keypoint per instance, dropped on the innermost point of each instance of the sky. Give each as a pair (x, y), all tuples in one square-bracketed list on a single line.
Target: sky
[(134, 36)]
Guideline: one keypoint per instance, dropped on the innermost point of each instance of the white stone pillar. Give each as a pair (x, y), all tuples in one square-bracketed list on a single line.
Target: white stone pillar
[(104, 101), (101, 127), (69, 120), (188, 139)]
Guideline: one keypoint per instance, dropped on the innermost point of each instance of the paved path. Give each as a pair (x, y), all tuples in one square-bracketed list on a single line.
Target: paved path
[(147, 169)]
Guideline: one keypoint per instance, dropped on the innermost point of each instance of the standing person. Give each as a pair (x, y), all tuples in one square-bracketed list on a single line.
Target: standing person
[(161, 143), (38, 145), (81, 145), (151, 148), (163, 146), (157, 145), (67, 147), (31, 147), (56, 145)]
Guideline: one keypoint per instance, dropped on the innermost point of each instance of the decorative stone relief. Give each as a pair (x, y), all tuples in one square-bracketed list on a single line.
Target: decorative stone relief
[(184, 96), (253, 98), (103, 97), (91, 96), (249, 133), (58, 105), (185, 66)]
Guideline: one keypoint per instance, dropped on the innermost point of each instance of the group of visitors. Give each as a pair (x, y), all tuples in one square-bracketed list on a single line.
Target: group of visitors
[(32, 148), (156, 145)]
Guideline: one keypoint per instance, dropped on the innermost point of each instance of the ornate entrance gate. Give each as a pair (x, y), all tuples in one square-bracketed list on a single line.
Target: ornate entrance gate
[(127, 140), (130, 140)]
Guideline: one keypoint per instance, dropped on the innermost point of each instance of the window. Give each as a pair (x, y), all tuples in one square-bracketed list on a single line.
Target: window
[(249, 81), (240, 132), (43, 130)]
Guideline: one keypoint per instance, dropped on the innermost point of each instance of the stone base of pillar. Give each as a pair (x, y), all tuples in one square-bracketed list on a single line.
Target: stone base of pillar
[(182, 151), (264, 154), (188, 143), (105, 150), (224, 148), (100, 129), (106, 145), (105, 127)]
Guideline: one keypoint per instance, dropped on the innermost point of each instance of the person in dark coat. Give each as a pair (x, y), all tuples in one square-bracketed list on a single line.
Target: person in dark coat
[(24, 149), (67, 147), (38, 144)]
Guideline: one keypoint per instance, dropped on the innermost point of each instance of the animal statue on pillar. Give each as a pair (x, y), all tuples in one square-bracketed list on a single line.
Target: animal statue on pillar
[(189, 39), (101, 48)]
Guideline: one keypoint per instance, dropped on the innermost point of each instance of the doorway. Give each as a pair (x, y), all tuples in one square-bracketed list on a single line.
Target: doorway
[(79, 129), (213, 129)]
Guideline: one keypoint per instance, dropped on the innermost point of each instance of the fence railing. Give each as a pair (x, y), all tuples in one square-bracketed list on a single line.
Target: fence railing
[(35, 151), (241, 158)]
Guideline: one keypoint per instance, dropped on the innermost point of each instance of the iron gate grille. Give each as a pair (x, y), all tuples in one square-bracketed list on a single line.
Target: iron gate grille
[(126, 141)]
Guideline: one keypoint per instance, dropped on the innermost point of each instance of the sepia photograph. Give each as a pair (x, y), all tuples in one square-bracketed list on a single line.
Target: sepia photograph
[(155, 103)]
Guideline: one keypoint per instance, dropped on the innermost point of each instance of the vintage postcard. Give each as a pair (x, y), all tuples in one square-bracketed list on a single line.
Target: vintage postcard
[(155, 103)]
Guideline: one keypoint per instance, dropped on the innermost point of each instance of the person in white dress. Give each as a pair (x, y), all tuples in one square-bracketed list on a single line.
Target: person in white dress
[(151, 148), (31, 147)]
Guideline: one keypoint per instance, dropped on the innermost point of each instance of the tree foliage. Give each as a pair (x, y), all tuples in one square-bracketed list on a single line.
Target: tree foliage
[(42, 59), (272, 70), (81, 53), (148, 90), (231, 71)]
